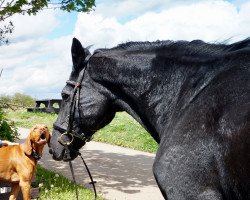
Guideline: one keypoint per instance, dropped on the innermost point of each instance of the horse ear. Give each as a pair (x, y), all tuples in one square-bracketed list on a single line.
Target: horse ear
[(78, 53)]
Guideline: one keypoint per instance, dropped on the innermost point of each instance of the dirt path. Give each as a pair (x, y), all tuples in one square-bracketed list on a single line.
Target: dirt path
[(121, 173)]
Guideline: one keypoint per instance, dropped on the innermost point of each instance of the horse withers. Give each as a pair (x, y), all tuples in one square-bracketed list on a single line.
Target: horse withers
[(192, 97)]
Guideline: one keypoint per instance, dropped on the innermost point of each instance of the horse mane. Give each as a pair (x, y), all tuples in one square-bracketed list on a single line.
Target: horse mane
[(193, 48), (135, 46)]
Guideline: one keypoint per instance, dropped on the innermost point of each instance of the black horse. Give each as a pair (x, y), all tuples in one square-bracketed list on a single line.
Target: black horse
[(192, 97)]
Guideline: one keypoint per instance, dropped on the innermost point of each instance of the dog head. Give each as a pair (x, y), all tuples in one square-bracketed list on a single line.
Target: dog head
[(38, 137)]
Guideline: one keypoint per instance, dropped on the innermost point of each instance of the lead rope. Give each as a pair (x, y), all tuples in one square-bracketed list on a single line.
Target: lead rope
[(90, 176)]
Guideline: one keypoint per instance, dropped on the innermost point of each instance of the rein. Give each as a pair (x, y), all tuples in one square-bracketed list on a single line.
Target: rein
[(92, 182), (74, 104)]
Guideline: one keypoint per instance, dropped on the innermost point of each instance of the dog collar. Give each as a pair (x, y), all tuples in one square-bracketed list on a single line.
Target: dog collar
[(35, 155)]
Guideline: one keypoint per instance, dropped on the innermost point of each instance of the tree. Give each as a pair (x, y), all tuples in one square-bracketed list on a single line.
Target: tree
[(31, 7)]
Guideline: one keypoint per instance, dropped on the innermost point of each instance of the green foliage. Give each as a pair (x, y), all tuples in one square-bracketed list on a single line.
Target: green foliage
[(18, 99), (7, 129), (9, 7), (5, 98), (77, 5), (24, 100)]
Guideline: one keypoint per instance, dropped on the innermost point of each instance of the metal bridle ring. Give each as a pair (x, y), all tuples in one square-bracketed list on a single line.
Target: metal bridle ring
[(66, 143)]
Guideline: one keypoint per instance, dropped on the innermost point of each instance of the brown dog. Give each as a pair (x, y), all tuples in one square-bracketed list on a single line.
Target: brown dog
[(18, 162)]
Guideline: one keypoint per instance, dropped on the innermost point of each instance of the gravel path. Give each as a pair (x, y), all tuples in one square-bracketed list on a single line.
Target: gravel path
[(121, 173)]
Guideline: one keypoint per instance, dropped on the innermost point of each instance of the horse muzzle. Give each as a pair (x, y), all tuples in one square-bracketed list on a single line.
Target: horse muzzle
[(60, 150), (56, 149)]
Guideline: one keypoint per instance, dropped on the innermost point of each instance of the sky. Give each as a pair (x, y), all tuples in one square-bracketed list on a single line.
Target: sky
[(37, 62)]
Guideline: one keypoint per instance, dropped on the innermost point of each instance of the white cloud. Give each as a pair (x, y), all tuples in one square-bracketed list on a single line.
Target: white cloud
[(39, 66), (125, 9), (27, 27), (32, 63), (206, 20)]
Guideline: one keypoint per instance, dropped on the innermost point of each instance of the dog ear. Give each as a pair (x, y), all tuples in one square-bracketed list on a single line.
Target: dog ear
[(27, 146)]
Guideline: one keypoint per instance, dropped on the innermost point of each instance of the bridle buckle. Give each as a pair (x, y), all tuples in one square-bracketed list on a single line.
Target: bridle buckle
[(60, 139)]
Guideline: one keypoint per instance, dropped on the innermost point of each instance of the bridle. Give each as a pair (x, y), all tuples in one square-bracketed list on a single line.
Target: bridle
[(74, 105)]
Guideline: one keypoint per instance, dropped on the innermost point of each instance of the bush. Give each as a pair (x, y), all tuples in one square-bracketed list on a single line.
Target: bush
[(24, 100), (18, 99), (8, 131)]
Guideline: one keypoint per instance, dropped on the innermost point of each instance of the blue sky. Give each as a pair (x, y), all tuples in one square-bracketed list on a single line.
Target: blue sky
[(66, 25), (38, 60)]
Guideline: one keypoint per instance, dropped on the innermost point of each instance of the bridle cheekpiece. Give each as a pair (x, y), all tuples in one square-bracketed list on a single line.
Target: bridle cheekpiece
[(74, 105)]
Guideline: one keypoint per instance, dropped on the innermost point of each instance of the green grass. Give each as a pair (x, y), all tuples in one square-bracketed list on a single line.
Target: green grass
[(122, 131), (125, 131), (25, 119), (54, 186)]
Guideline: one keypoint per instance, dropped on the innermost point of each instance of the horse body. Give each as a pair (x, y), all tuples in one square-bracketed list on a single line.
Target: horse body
[(193, 98)]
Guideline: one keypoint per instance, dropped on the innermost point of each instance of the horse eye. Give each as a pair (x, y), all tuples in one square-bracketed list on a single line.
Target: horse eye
[(65, 96)]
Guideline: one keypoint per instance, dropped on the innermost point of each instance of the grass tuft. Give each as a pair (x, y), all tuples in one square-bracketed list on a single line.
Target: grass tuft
[(54, 186)]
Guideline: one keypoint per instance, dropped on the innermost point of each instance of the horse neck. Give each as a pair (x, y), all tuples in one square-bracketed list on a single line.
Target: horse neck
[(148, 89), (151, 100), (139, 89)]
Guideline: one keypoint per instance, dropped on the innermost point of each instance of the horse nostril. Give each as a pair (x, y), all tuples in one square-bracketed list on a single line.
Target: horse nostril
[(50, 151)]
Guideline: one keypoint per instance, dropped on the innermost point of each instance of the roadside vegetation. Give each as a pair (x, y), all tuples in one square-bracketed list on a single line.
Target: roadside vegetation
[(16, 101), (8, 130)]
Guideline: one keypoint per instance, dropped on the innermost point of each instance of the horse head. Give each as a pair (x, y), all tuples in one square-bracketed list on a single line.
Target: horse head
[(85, 108)]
